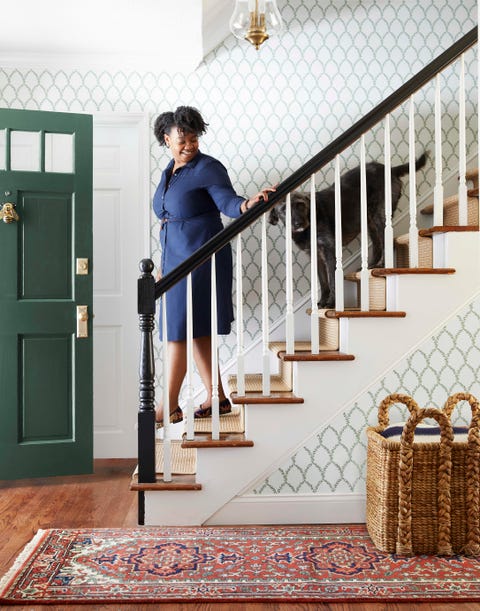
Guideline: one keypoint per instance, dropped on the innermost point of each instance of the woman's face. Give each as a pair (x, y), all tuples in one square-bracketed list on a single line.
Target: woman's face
[(183, 145)]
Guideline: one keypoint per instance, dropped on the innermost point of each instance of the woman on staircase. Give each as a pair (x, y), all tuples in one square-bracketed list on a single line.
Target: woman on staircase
[(194, 189)]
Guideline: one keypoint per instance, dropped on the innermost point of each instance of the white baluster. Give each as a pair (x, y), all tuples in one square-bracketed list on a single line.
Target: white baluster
[(189, 375), (314, 319), (265, 321), (438, 189), (240, 346), (462, 150), (214, 339), (167, 448), (413, 231), (388, 197), (339, 278), (364, 277), (289, 319)]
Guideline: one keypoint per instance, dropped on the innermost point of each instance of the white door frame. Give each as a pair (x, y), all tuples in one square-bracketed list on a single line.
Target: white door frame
[(141, 208)]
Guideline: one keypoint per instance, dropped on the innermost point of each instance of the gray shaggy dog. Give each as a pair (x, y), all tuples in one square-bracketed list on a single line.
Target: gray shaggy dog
[(350, 199)]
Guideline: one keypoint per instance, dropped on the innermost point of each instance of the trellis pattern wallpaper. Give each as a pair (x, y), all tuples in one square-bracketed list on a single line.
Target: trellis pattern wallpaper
[(268, 113)]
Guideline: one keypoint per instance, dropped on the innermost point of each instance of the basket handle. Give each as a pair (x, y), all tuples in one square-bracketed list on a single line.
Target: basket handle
[(383, 419), (405, 471), (472, 540), (453, 400)]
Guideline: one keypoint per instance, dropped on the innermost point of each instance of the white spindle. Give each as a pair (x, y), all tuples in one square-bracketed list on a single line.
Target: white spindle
[(265, 321), (438, 189), (462, 150), (189, 375), (240, 347), (214, 340), (364, 278), (167, 448), (289, 320), (388, 196), (413, 231), (339, 281), (314, 319)]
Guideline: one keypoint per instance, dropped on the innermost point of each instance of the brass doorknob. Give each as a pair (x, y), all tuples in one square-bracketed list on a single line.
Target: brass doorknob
[(8, 213)]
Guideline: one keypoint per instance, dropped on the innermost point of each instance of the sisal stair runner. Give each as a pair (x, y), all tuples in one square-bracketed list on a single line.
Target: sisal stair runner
[(184, 453), (450, 219), (232, 431), (376, 290), (450, 204)]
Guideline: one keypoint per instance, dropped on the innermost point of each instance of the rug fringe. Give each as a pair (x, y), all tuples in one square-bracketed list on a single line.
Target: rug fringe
[(20, 560)]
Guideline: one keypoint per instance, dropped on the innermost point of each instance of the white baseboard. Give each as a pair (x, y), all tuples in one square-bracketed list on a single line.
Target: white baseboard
[(293, 509)]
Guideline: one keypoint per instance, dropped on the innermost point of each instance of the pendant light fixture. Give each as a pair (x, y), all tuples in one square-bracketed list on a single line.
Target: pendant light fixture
[(255, 20)]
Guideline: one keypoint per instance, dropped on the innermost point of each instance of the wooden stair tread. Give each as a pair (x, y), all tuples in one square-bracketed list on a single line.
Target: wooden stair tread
[(357, 313), (257, 397), (184, 466), (412, 270), (299, 347), (446, 228), (179, 482), (227, 440), (323, 355)]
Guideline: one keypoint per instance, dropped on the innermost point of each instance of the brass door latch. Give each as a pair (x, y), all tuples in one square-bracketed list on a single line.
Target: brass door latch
[(82, 321), (8, 214)]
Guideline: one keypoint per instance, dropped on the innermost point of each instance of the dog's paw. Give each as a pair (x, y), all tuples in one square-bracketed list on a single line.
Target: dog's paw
[(326, 304)]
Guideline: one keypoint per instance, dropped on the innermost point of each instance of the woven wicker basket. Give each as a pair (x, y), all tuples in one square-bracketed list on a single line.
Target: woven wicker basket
[(423, 497), (425, 251)]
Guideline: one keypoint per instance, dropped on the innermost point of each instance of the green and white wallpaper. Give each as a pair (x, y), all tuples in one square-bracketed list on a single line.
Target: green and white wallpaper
[(268, 113)]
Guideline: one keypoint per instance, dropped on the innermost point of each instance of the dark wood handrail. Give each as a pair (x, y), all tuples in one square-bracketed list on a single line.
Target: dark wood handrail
[(317, 162)]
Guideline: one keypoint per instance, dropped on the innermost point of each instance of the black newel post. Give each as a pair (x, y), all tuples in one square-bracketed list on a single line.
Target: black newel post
[(146, 412)]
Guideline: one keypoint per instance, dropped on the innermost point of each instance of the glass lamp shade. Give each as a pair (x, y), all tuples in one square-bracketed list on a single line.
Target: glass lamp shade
[(255, 20)]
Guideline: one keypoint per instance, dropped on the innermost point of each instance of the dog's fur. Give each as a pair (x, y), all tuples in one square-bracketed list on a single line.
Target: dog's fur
[(350, 199)]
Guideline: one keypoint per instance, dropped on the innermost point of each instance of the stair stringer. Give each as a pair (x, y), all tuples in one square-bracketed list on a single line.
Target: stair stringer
[(328, 389)]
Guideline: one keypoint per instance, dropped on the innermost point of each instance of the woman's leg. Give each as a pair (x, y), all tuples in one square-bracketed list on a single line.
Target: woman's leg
[(202, 353), (177, 355)]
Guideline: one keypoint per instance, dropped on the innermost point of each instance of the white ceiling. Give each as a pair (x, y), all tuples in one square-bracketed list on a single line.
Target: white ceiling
[(160, 35)]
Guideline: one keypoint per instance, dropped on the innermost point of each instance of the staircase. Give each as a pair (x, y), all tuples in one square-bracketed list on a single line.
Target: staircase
[(355, 345), (211, 476)]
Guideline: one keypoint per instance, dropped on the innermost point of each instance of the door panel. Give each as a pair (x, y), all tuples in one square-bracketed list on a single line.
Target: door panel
[(45, 370), (119, 210)]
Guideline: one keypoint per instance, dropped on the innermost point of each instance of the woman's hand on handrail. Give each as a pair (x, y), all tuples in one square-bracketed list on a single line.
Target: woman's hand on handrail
[(248, 203)]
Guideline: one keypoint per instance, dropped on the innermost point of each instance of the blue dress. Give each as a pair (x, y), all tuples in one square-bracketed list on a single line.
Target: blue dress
[(188, 204)]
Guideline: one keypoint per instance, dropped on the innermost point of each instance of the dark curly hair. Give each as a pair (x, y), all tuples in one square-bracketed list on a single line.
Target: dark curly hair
[(186, 118)]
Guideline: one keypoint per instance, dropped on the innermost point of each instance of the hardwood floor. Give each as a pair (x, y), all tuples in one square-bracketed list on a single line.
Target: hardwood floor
[(104, 500)]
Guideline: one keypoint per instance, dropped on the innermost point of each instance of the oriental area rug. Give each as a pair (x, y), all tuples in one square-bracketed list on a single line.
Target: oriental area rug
[(311, 563)]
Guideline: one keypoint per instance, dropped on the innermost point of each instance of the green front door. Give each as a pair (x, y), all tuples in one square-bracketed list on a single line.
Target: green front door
[(45, 274)]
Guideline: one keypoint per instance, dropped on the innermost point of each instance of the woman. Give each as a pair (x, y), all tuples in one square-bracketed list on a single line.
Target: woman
[(193, 190)]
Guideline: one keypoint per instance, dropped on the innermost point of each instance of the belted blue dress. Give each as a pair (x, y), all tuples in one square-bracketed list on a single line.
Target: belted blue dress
[(188, 204)]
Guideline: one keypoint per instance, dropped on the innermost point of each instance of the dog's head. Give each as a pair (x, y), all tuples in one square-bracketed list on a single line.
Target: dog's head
[(300, 212)]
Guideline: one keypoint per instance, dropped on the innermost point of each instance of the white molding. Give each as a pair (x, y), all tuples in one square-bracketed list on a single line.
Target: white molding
[(142, 120), (328, 508)]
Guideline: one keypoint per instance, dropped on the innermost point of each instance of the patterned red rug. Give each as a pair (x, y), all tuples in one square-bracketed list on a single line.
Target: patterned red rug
[(273, 563)]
